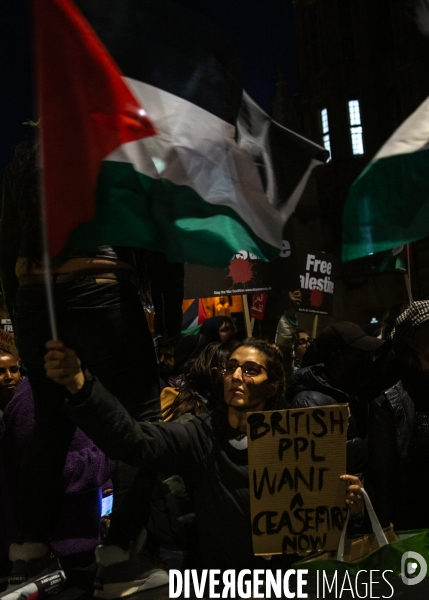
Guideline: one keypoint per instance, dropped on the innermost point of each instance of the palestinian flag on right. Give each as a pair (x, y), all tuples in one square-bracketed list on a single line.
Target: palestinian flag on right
[(194, 168), (397, 259), (388, 204)]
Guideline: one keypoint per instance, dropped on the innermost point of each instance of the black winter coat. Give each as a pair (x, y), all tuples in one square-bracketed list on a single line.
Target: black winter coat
[(215, 472), (308, 387), (390, 430)]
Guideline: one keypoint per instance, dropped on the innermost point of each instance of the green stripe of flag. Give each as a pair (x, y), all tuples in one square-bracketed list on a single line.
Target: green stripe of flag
[(388, 205), (133, 209)]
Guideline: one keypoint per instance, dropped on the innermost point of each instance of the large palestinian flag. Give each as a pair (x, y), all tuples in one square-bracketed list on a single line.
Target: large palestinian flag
[(388, 204), (139, 104)]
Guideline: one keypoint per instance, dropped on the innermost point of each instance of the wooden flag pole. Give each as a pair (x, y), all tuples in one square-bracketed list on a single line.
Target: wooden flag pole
[(246, 316), (408, 286), (314, 328), (407, 277), (46, 260), (252, 324)]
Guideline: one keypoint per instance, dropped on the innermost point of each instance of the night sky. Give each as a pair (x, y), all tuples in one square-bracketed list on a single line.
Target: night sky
[(262, 35)]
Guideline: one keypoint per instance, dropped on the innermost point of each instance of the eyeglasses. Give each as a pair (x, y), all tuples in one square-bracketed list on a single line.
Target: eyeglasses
[(249, 369), (305, 341)]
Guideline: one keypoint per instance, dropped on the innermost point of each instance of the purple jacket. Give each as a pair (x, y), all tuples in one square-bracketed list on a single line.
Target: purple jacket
[(86, 473)]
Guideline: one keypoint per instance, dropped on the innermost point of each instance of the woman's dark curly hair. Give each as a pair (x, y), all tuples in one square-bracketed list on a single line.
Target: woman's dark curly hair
[(200, 390), (275, 370)]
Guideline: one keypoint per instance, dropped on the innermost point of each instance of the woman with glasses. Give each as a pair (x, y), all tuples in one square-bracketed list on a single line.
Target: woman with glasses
[(209, 452)]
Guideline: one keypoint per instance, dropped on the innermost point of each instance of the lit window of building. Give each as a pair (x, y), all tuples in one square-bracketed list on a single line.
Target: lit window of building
[(325, 130), (355, 127)]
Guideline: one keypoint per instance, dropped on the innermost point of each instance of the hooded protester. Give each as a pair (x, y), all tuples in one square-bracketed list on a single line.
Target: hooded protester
[(346, 355), (398, 435), (217, 329)]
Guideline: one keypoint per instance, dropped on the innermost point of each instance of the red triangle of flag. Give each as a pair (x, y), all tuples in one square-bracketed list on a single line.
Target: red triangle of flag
[(86, 111), (202, 316)]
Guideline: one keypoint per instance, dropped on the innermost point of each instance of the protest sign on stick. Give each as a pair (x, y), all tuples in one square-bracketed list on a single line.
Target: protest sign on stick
[(314, 326), (246, 274), (316, 273), (296, 457), (246, 316), (259, 302)]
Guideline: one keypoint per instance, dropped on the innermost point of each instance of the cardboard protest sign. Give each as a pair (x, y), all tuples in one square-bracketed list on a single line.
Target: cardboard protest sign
[(6, 325), (316, 274), (296, 457)]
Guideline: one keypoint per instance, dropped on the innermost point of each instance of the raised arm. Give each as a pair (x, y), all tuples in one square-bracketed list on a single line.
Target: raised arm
[(172, 447)]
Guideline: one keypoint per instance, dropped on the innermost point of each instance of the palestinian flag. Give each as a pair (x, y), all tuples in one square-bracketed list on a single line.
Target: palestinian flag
[(397, 259), (194, 315), (388, 205), (139, 104)]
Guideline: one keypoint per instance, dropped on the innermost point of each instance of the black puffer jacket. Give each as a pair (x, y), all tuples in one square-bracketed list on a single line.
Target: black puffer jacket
[(390, 431), (309, 387)]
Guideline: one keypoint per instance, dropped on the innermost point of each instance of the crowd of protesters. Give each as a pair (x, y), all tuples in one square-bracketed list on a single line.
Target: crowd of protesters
[(161, 419)]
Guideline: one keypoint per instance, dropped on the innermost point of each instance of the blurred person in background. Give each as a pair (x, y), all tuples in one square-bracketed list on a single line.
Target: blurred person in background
[(166, 282), (286, 331), (87, 471), (165, 352), (223, 307), (389, 319), (302, 342), (10, 378), (199, 390), (99, 311), (217, 329), (344, 367), (227, 329), (398, 431), (174, 356)]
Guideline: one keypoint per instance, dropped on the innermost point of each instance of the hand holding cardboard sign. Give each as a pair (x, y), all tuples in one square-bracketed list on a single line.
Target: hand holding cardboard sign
[(295, 299), (354, 498)]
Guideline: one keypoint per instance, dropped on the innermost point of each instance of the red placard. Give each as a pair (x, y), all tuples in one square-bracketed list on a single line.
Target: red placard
[(257, 309)]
